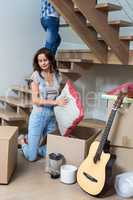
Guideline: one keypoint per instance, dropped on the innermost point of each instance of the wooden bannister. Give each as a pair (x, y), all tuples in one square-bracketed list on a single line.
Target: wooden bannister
[(97, 17), (66, 9), (99, 21)]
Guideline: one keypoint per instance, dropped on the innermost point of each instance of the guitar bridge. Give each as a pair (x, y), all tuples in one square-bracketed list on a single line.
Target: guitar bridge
[(91, 178)]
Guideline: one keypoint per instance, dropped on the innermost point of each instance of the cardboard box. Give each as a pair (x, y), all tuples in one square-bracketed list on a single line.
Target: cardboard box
[(8, 152), (121, 133), (123, 161), (74, 148)]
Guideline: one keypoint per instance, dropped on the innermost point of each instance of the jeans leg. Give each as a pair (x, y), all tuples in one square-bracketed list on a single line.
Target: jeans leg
[(56, 44), (42, 151), (50, 127), (52, 36), (36, 127)]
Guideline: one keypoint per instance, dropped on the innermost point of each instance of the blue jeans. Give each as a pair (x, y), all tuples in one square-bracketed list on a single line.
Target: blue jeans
[(40, 124), (53, 39)]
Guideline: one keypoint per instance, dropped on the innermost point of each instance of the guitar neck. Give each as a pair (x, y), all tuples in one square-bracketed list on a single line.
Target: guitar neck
[(102, 143), (107, 130)]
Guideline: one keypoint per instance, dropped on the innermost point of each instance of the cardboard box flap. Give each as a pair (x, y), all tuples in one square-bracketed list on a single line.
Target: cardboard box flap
[(84, 132), (121, 133), (6, 132)]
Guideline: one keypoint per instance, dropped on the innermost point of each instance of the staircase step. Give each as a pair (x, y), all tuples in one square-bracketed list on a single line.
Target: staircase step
[(15, 101), (27, 78), (10, 115), (124, 38), (120, 23), (65, 70), (76, 60), (88, 55), (72, 65), (80, 51), (76, 9), (62, 25), (24, 89), (70, 73), (92, 123), (127, 38), (115, 23), (106, 7)]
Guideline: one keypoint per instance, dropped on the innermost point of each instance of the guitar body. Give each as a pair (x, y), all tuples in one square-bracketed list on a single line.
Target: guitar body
[(95, 173), (100, 171)]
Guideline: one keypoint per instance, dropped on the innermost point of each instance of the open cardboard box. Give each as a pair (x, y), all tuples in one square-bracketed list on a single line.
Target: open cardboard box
[(74, 148)]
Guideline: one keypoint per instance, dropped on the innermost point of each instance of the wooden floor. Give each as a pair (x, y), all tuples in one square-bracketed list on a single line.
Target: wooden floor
[(30, 182)]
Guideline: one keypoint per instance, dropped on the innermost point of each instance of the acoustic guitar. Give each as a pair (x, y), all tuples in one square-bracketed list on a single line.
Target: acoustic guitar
[(95, 173)]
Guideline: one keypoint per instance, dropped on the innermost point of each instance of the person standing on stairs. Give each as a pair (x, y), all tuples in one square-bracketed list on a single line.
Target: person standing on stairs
[(45, 88), (50, 22)]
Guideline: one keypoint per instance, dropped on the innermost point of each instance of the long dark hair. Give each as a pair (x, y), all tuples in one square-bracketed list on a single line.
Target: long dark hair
[(49, 56)]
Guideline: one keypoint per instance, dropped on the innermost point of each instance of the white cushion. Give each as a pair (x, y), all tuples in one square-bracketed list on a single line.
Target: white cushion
[(70, 115)]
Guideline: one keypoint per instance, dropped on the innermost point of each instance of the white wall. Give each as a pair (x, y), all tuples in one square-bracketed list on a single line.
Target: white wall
[(97, 80), (20, 36)]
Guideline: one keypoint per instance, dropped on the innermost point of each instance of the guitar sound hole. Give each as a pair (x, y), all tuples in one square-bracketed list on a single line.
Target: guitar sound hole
[(91, 178)]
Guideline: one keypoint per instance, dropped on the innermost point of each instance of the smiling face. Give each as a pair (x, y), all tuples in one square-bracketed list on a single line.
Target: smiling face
[(43, 62)]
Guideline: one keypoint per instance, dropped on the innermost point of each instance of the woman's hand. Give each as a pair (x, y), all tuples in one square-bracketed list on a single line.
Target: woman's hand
[(62, 102)]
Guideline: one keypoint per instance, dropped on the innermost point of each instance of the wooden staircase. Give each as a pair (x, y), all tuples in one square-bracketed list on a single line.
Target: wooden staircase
[(89, 20), (73, 65), (14, 110)]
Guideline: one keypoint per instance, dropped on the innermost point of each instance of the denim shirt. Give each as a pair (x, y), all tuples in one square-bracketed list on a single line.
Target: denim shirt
[(46, 91)]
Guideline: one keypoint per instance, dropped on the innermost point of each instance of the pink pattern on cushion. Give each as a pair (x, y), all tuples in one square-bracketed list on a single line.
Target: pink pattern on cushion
[(76, 96), (128, 86)]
